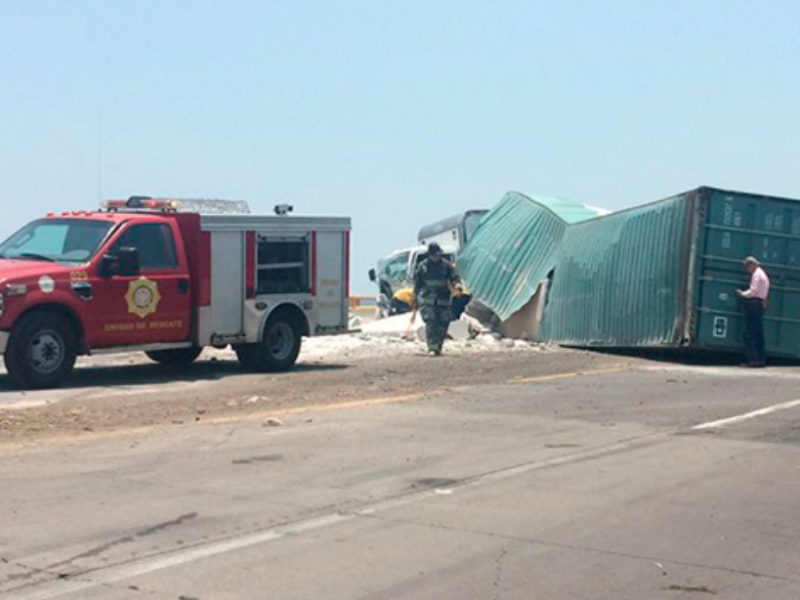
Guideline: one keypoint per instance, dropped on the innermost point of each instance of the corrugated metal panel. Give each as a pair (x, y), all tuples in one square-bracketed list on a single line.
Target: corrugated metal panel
[(666, 274), (515, 247), (619, 280)]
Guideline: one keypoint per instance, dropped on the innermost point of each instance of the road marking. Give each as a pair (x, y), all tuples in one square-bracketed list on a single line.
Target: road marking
[(392, 399), (319, 408), (145, 429), (157, 563), (729, 372), (556, 376), (136, 568), (746, 416), (238, 418)]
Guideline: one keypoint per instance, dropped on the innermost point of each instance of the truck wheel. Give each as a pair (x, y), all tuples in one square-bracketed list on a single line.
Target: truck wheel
[(179, 357), (278, 350), (41, 351)]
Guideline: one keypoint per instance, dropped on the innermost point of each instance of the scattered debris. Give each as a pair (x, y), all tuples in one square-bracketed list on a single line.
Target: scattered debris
[(355, 323), (691, 590), (258, 459)]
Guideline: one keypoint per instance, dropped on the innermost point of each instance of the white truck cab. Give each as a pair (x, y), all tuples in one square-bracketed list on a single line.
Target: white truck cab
[(396, 271)]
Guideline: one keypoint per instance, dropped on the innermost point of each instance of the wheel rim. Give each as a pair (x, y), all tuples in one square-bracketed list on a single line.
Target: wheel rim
[(46, 351), (280, 341)]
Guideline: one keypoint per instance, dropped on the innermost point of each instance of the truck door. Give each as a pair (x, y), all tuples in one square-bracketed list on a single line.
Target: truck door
[(227, 289), (151, 307), (332, 272)]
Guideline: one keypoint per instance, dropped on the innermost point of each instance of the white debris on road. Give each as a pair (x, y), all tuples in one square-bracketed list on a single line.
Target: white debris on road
[(389, 341), (402, 326)]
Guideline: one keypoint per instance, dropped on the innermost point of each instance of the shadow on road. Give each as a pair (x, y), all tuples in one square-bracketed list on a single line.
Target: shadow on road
[(153, 374)]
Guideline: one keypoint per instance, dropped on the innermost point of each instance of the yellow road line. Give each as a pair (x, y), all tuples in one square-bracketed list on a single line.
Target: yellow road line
[(557, 376), (317, 408), (392, 399), (278, 412)]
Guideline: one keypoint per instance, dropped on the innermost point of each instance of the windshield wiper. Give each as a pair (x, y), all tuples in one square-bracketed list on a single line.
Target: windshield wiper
[(34, 256)]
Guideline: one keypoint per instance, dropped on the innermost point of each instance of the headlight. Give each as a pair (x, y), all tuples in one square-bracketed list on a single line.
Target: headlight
[(16, 289), (12, 289)]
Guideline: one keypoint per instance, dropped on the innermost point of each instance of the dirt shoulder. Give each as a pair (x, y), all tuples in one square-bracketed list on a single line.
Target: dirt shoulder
[(130, 393)]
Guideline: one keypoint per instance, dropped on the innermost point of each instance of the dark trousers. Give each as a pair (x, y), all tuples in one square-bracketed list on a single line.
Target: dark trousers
[(437, 321), (460, 305), (399, 307), (754, 332)]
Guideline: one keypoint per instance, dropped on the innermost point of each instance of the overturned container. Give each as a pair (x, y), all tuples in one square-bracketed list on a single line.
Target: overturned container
[(514, 248), (666, 274), (662, 275)]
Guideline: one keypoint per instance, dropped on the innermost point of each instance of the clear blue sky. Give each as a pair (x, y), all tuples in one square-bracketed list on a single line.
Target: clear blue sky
[(395, 113)]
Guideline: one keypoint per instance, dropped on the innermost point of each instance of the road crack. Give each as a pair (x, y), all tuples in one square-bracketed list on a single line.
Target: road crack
[(55, 570), (498, 573), (594, 550), (128, 539), (30, 571)]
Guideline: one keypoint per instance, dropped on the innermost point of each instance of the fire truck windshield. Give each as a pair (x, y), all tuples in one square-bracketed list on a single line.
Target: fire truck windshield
[(56, 240)]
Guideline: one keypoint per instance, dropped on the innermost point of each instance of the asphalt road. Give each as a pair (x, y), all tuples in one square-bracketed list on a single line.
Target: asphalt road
[(622, 483)]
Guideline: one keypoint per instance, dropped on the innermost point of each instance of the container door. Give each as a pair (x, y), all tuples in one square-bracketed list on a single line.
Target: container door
[(332, 272), (737, 226), (227, 283)]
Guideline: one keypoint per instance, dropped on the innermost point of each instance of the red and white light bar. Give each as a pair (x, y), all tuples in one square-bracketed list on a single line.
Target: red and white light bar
[(142, 203)]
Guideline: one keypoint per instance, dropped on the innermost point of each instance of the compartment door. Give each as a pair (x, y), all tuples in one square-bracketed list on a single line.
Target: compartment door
[(227, 283), (331, 272)]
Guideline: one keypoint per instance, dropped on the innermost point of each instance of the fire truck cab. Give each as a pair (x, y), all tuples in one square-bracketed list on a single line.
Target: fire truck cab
[(143, 276)]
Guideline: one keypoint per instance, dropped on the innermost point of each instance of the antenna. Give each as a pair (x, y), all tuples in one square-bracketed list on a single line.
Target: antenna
[(100, 154)]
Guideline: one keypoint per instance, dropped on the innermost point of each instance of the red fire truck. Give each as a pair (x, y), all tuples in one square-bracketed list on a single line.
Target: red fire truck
[(140, 275)]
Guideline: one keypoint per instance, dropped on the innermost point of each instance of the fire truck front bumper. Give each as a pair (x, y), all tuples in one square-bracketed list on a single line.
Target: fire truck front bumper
[(4, 335)]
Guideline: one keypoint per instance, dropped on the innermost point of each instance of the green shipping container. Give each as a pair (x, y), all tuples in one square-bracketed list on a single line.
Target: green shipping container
[(666, 274), (514, 248)]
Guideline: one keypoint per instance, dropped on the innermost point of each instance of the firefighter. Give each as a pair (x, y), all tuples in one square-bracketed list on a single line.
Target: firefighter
[(433, 283)]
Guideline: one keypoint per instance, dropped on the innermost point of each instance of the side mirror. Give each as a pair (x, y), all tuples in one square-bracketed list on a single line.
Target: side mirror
[(129, 264), (372, 275), (125, 263)]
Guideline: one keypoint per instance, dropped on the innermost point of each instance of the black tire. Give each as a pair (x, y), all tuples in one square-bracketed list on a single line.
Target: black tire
[(41, 351), (179, 357), (279, 349)]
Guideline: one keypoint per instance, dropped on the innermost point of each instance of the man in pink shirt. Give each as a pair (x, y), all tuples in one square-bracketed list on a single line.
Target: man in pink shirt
[(755, 302)]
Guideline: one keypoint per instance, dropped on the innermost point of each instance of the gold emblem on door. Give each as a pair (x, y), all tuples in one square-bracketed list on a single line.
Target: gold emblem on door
[(143, 297)]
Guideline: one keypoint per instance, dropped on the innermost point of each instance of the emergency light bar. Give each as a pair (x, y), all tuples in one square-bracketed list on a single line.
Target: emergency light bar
[(142, 203)]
